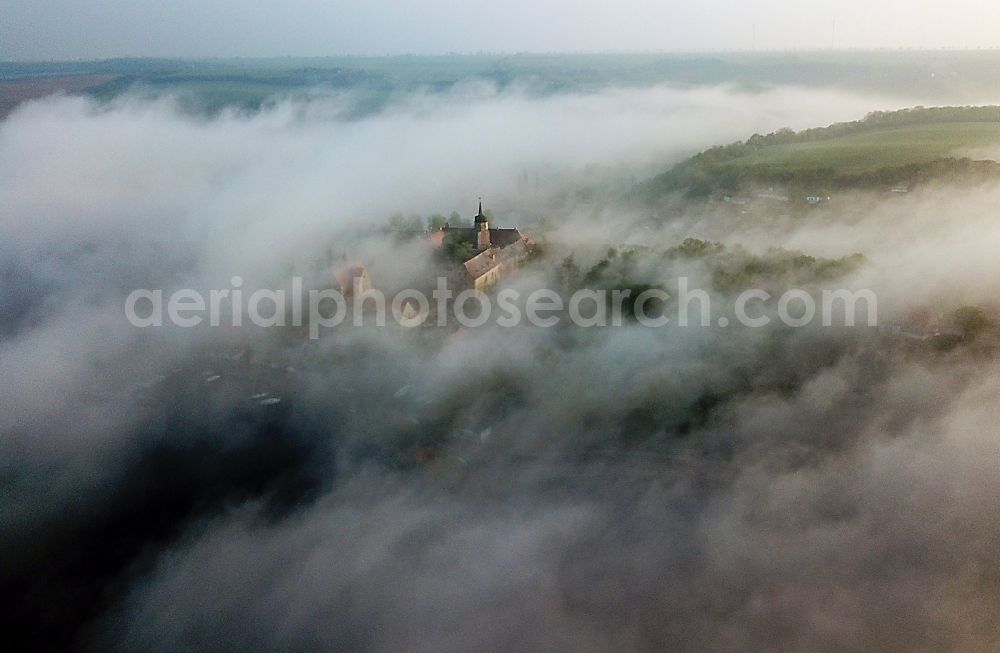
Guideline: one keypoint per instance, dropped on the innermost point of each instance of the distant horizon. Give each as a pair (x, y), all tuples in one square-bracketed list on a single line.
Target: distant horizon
[(500, 53), (79, 30)]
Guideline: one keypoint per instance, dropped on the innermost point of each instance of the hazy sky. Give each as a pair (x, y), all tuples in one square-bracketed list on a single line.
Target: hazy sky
[(69, 29)]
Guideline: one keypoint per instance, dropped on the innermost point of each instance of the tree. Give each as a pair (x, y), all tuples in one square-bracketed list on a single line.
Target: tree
[(570, 271), (435, 222), (971, 320), (455, 249), (414, 224)]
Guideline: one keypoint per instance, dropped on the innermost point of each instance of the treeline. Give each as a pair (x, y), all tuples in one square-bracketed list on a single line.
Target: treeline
[(413, 225), (730, 269), (706, 172), (702, 181), (873, 121)]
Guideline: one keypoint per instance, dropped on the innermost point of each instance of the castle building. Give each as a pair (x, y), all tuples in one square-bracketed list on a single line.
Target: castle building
[(495, 252)]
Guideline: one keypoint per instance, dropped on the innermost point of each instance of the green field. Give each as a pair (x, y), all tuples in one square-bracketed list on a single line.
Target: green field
[(909, 146), (871, 150)]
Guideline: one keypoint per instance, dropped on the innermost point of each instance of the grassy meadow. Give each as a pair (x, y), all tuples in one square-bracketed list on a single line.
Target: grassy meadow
[(871, 150)]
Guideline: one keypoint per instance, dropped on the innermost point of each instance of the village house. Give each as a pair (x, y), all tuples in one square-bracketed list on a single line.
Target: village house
[(351, 277)]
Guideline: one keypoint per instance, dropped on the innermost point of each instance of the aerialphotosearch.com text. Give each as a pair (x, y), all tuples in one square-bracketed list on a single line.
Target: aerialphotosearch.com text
[(508, 307)]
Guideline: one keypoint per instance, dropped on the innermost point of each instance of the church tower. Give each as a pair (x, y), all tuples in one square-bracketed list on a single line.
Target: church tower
[(482, 230)]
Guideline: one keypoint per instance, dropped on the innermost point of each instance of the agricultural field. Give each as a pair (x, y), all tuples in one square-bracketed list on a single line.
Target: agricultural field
[(909, 146), (894, 146)]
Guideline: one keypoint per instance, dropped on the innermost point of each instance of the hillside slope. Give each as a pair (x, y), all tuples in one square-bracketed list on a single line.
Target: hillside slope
[(907, 146)]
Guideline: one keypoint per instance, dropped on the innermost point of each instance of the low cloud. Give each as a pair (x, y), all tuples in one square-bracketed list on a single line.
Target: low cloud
[(693, 489)]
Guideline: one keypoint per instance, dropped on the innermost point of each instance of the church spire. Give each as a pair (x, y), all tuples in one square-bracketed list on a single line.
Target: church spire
[(482, 227), (479, 216)]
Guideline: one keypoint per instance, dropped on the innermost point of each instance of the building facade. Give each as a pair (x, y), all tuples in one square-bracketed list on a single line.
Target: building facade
[(496, 253)]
